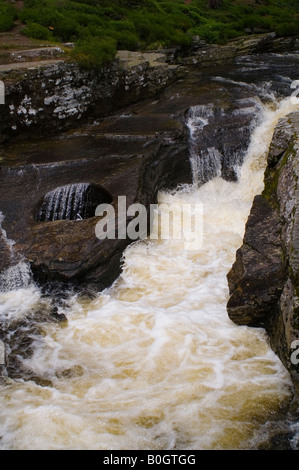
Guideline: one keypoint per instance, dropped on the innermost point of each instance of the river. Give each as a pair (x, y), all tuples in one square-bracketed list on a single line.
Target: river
[(154, 362)]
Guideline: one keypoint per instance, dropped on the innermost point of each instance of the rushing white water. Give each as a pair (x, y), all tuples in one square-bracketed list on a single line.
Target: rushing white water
[(262, 89), (206, 160), (209, 166), (154, 362), (7, 241), (16, 277), (18, 294)]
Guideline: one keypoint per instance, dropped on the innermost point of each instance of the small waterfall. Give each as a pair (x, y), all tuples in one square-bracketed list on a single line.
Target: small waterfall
[(14, 274), (264, 89), (16, 277), (205, 163), (65, 203), (4, 240), (219, 138), (72, 202)]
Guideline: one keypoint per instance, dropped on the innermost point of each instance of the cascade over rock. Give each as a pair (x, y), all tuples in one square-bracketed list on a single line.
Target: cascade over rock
[(72, 202)]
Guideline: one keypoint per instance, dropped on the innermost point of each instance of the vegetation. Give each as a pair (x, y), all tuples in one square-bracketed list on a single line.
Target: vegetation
[(93, 53), (7, 16), (100, 27)]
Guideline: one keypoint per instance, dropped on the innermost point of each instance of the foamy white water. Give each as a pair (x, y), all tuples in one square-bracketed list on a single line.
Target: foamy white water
[(154, 362), (9, 243)]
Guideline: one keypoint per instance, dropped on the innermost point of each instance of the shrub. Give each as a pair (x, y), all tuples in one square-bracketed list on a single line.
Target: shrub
[(7, 16), (94, 52), (34, 3), (209, 32), (123, 25), (146, 24), (67, 29), (43, 16), (287, 29), (125, 40), (37, 31)]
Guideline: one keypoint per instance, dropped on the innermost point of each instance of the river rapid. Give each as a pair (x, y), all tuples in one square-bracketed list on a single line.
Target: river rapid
[(154, 362)]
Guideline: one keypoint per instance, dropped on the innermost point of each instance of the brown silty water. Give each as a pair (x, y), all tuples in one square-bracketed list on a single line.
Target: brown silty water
[(153, 362)]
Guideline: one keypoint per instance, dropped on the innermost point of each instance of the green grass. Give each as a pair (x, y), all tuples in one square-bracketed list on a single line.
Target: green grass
[(146, 24)]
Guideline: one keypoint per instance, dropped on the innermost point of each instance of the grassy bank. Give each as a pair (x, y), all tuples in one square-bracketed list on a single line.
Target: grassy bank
[(100, 27)]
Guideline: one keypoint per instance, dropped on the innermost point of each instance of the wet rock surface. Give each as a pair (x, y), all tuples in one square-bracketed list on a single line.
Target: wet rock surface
[(207, 54), (49, 97)]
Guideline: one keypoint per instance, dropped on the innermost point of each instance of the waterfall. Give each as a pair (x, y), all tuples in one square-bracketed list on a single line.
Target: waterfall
[(65, 203), (16, 277), (6, 241), (205, 163), (154, 362), (217, 144), (16, 273)]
